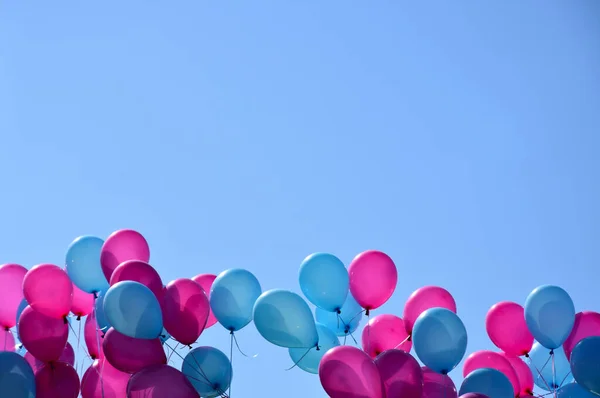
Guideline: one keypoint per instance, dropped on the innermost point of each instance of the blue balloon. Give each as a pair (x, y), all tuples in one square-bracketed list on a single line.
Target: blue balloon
[(83, 264), (324, 281), (440, 339), (133, 310), (20, 309), (309, 359), (209, 370), (16, 377), (284, 319), (232, 297), (344, 323), (489, 382), (585, 363), (574, 390), (101, 319), (164, 336), (550, 315), (541, 367)]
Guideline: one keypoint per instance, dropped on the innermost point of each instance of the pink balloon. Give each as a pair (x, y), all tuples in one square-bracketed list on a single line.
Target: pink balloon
[(385, 332), (7, 340), (68, 357), (523, 374), (11, 280), (121, 246), (57, 380), (493, 360), (347, 372), (400, 373), (423, 299), (160, 381), (505, 324), (83, 303), (43, 336), (93, 336), (206, 281), (436, 385), (185, 310), (48, 290), (141, 272), (131, 355), (373, 278), (102, 380), (587, 324)]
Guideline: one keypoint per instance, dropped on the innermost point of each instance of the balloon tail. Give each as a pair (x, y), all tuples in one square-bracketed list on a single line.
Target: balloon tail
[(240, 350), (368, 333), (345, 336), (554, 388), (299, 360)]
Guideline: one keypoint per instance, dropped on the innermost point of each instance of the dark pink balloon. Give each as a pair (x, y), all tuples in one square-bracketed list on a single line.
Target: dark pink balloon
[(423, 299), (160, 381), (587, 324), (43, 336), (185, 310), (57, 380), (121, 246), (11, 280), (48, 290), (68, 357), (93, 336), (206, 281), (7, 340), (493, 360), (131, 355), (141, 272), (473, 395), (347, 372), (436, 385), (385, 332), (523, 374), (373, 278), (83, 303), (102, 380), (400, 373), (505, 324)]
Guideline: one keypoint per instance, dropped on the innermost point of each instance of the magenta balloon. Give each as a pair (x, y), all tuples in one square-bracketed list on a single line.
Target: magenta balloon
[(185, 310), (131, 355), (102, 380), (492, 360), (68, 357), (473, 395), (93, 336), (57, 380), (206, 281), (83, 303), (423, 299), (160, 381), (436, 385), (7, 340), (385, 332), (400, 373), (347, 372), (48, 290), (587, 324), (523, 374), (43, 336), (141, 272), (373, 278), (121, 246), (506, 326), (11, 280)]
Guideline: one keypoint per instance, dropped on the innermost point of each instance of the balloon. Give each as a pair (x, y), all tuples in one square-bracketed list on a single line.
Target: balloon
[(523, 374), (11, 280), (20, 309), (385, 332), (308, 360), (347, 372), (232, 297), (344, 323), (141, 272), (373, 278), (132, 309), (103, 380), (423, 299), (505, 324), (44, 337), (284, 319), (324, 281), (400, 373), (131, 355), (121, 246), (93, 337), (67, 356), (540, 364), (48, 290), (57, 380), (574, 390), (160, 381), (186, 308), (208, 370), (16, 377), (7, 340), (550, 315), (206, 282), (587, 323), (440, 339), (101, 319), (585, 363), (83, 264), (436, 385), (490, 382), (83, 303), (492, 360)]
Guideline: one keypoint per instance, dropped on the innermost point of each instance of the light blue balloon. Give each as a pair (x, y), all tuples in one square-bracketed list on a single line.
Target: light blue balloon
[(585, 363), (83, 264), (324, 281), (20, 310), (440, 339), (284, 319), (550, 315), (164, 336), (309, 362), (133, 310), (489, 382), (16, 377), (574, 390), (540, 364), (209, 370), (344, 323), (232, 297), (101, 319)]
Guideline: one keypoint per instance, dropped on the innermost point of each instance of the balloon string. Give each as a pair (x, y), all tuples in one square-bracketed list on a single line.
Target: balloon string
[(352, 336), (240, 350), (5, 333), (345, 336), (403, 341), (230, 360), (368, 335), (172, 352), (299, 360), (565, 379), (354, 317), (97, 329), (538, 370), (553, 373), (78, 345)]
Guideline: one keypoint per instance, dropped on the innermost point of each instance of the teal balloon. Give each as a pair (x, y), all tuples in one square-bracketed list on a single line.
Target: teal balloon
[(308, 359), (284, 319), (232, 297), (20, 309), (16, 377), (101, 319), (209, 370), (440, 339), (574, 390), (585, 363), (324, 281), (550, 315), (489, 382), (344, 323), (83, 264), (133, 310), (546, 376)]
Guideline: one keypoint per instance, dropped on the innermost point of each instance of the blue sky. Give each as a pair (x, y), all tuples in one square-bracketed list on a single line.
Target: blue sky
[(461, 138)]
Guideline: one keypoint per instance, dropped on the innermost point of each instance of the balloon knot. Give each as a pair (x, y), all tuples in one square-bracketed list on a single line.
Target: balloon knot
[(95, 295), (338, 311), (444, 372), (6, 328), (551, 352), (65, 320), (409, 337), (231, 332), (526, 355), (367, 313), (78, 317), (318, 348), (190, 346)]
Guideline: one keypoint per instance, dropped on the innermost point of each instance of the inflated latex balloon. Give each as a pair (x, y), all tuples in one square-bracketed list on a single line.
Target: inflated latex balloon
[(131, 355), (400, 373), (83, 264), (16, 377), (83, 303), (57, 380), (102, 380), (344, 323), (93, 337), (232, 297), (141, 272), (206, 282), (506, 326), (489, 382), (544, 375), (493, 360), (437, 385), (48, 290), (373, 277), (68, 357), (309, 359), (423, 299), (208, 370), (121, 246), (324, 281), (550, 315), (7, 340), (43, 336), (587, 324), (160, 381), (11, 280), (574, 390), (186, 308), (385, 332), (523, 374), (585, 363)]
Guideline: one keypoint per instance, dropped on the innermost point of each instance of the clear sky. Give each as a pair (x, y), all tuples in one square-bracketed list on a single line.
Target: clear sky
[(462, 138)]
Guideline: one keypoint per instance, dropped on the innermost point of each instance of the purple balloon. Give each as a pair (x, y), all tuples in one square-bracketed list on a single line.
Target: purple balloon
[(131, 355), (57, 380), (436, 385), (102, 380), (141, 272), (160, 381), (401, 374), (186, 309), (43, 336), (122, 246)]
